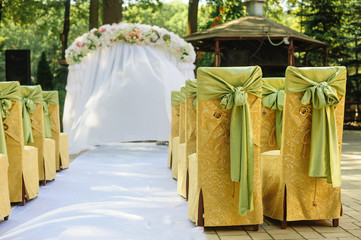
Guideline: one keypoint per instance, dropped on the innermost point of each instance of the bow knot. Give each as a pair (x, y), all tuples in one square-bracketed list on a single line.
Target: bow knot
[(321, 95), (30, 105), (236, 98), (5, 106)]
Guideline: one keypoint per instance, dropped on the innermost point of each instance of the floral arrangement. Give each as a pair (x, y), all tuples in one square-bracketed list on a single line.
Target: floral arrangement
[(139, 34)]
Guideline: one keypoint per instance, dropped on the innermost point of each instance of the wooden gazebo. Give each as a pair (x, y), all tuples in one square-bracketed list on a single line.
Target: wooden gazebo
[(255, 40)]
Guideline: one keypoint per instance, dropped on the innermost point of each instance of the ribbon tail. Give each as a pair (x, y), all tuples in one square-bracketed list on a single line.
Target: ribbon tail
[(335, 162), (28, 134), (279, 119), (242, 156)]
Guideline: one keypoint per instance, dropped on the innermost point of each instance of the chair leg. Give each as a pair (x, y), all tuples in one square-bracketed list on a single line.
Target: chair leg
[(200, 221), (255, 227), (284, 224), (335, 222), (43, 182), (6, 218)]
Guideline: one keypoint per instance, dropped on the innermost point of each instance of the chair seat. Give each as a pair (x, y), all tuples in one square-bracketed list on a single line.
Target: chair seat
[(64, 150), (182, 170), (175, 157), (5, 207), (49, 159), (31, 172), (194, 190)]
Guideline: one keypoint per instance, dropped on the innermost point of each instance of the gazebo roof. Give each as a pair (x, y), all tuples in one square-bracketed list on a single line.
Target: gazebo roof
[(250, 28)]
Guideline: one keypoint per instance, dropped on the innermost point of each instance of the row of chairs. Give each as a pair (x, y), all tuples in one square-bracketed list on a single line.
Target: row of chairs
[(32, 148), (242, 146)]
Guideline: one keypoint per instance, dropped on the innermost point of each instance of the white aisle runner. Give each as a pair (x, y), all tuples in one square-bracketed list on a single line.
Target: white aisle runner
[(118, 191)]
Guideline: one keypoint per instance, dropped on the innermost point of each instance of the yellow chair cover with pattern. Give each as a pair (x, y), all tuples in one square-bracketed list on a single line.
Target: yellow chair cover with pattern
[(52, 129), (23, 160), (5, 207), (182, 158), (302, 180), (272, 112), (32, 103), (228, 145), (174, 124)]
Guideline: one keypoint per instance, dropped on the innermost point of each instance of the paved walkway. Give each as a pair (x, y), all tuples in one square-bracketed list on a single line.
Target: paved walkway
[(350, 222)]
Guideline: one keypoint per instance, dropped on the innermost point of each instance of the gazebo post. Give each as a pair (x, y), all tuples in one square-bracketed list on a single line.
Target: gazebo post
[(325, 59), (291, 54), (216, 55)]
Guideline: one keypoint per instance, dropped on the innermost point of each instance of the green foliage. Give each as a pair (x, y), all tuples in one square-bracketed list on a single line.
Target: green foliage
[(323, 21), (44, 76), (171, 16), (220, 11)]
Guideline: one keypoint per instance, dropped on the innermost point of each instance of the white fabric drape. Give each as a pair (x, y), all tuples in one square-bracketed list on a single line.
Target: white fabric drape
[(121, 93)]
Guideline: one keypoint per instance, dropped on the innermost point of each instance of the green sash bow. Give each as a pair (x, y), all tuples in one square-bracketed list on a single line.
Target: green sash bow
[(273, 98), (175, 98), (31, 95), (191, 90), (9, 92), (232, 85), (49, 98), (182, 95), (320, 87)]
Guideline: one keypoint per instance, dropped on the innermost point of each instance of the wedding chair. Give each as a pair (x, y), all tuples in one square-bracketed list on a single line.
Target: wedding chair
[(5, 207), (174, 124), (302, 180), (188, 119), (176, 153), (23, 170), (33, 123), (271, 113), (182, 170), (52, 129), (228, 146), (191, 123)]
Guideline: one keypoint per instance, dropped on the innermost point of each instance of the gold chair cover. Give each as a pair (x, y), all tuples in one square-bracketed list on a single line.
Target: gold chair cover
[(220, 194), (182, 163), (22, 161), (289, 193), (174, 124), (268, 120), (5, 207), (46, 162), (175, 153), (61, 139)]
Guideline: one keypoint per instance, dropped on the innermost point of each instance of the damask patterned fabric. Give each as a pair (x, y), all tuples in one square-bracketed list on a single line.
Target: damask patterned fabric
[(175, 157), (5, 207), (174, 124), (23, 162), (272, 112), (287, 171), (215, 112), (61, 139)]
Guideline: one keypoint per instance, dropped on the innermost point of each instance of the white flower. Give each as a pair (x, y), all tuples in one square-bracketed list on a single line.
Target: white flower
[(142, 34)]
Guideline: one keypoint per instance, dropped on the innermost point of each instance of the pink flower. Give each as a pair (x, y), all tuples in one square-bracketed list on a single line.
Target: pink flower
[(137, 40), (102, 29), (132, 34), (79, 44), (140, 38), (137, 31), (179, 50), (127, 38), (134, 37)]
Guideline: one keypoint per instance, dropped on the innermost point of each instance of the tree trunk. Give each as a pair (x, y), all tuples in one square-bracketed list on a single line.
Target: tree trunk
[(64, 35), (93, 14), (112, 11), (192, 16)]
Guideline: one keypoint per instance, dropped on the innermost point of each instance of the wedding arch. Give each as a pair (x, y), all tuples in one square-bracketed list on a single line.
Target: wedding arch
[(119, 84)]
